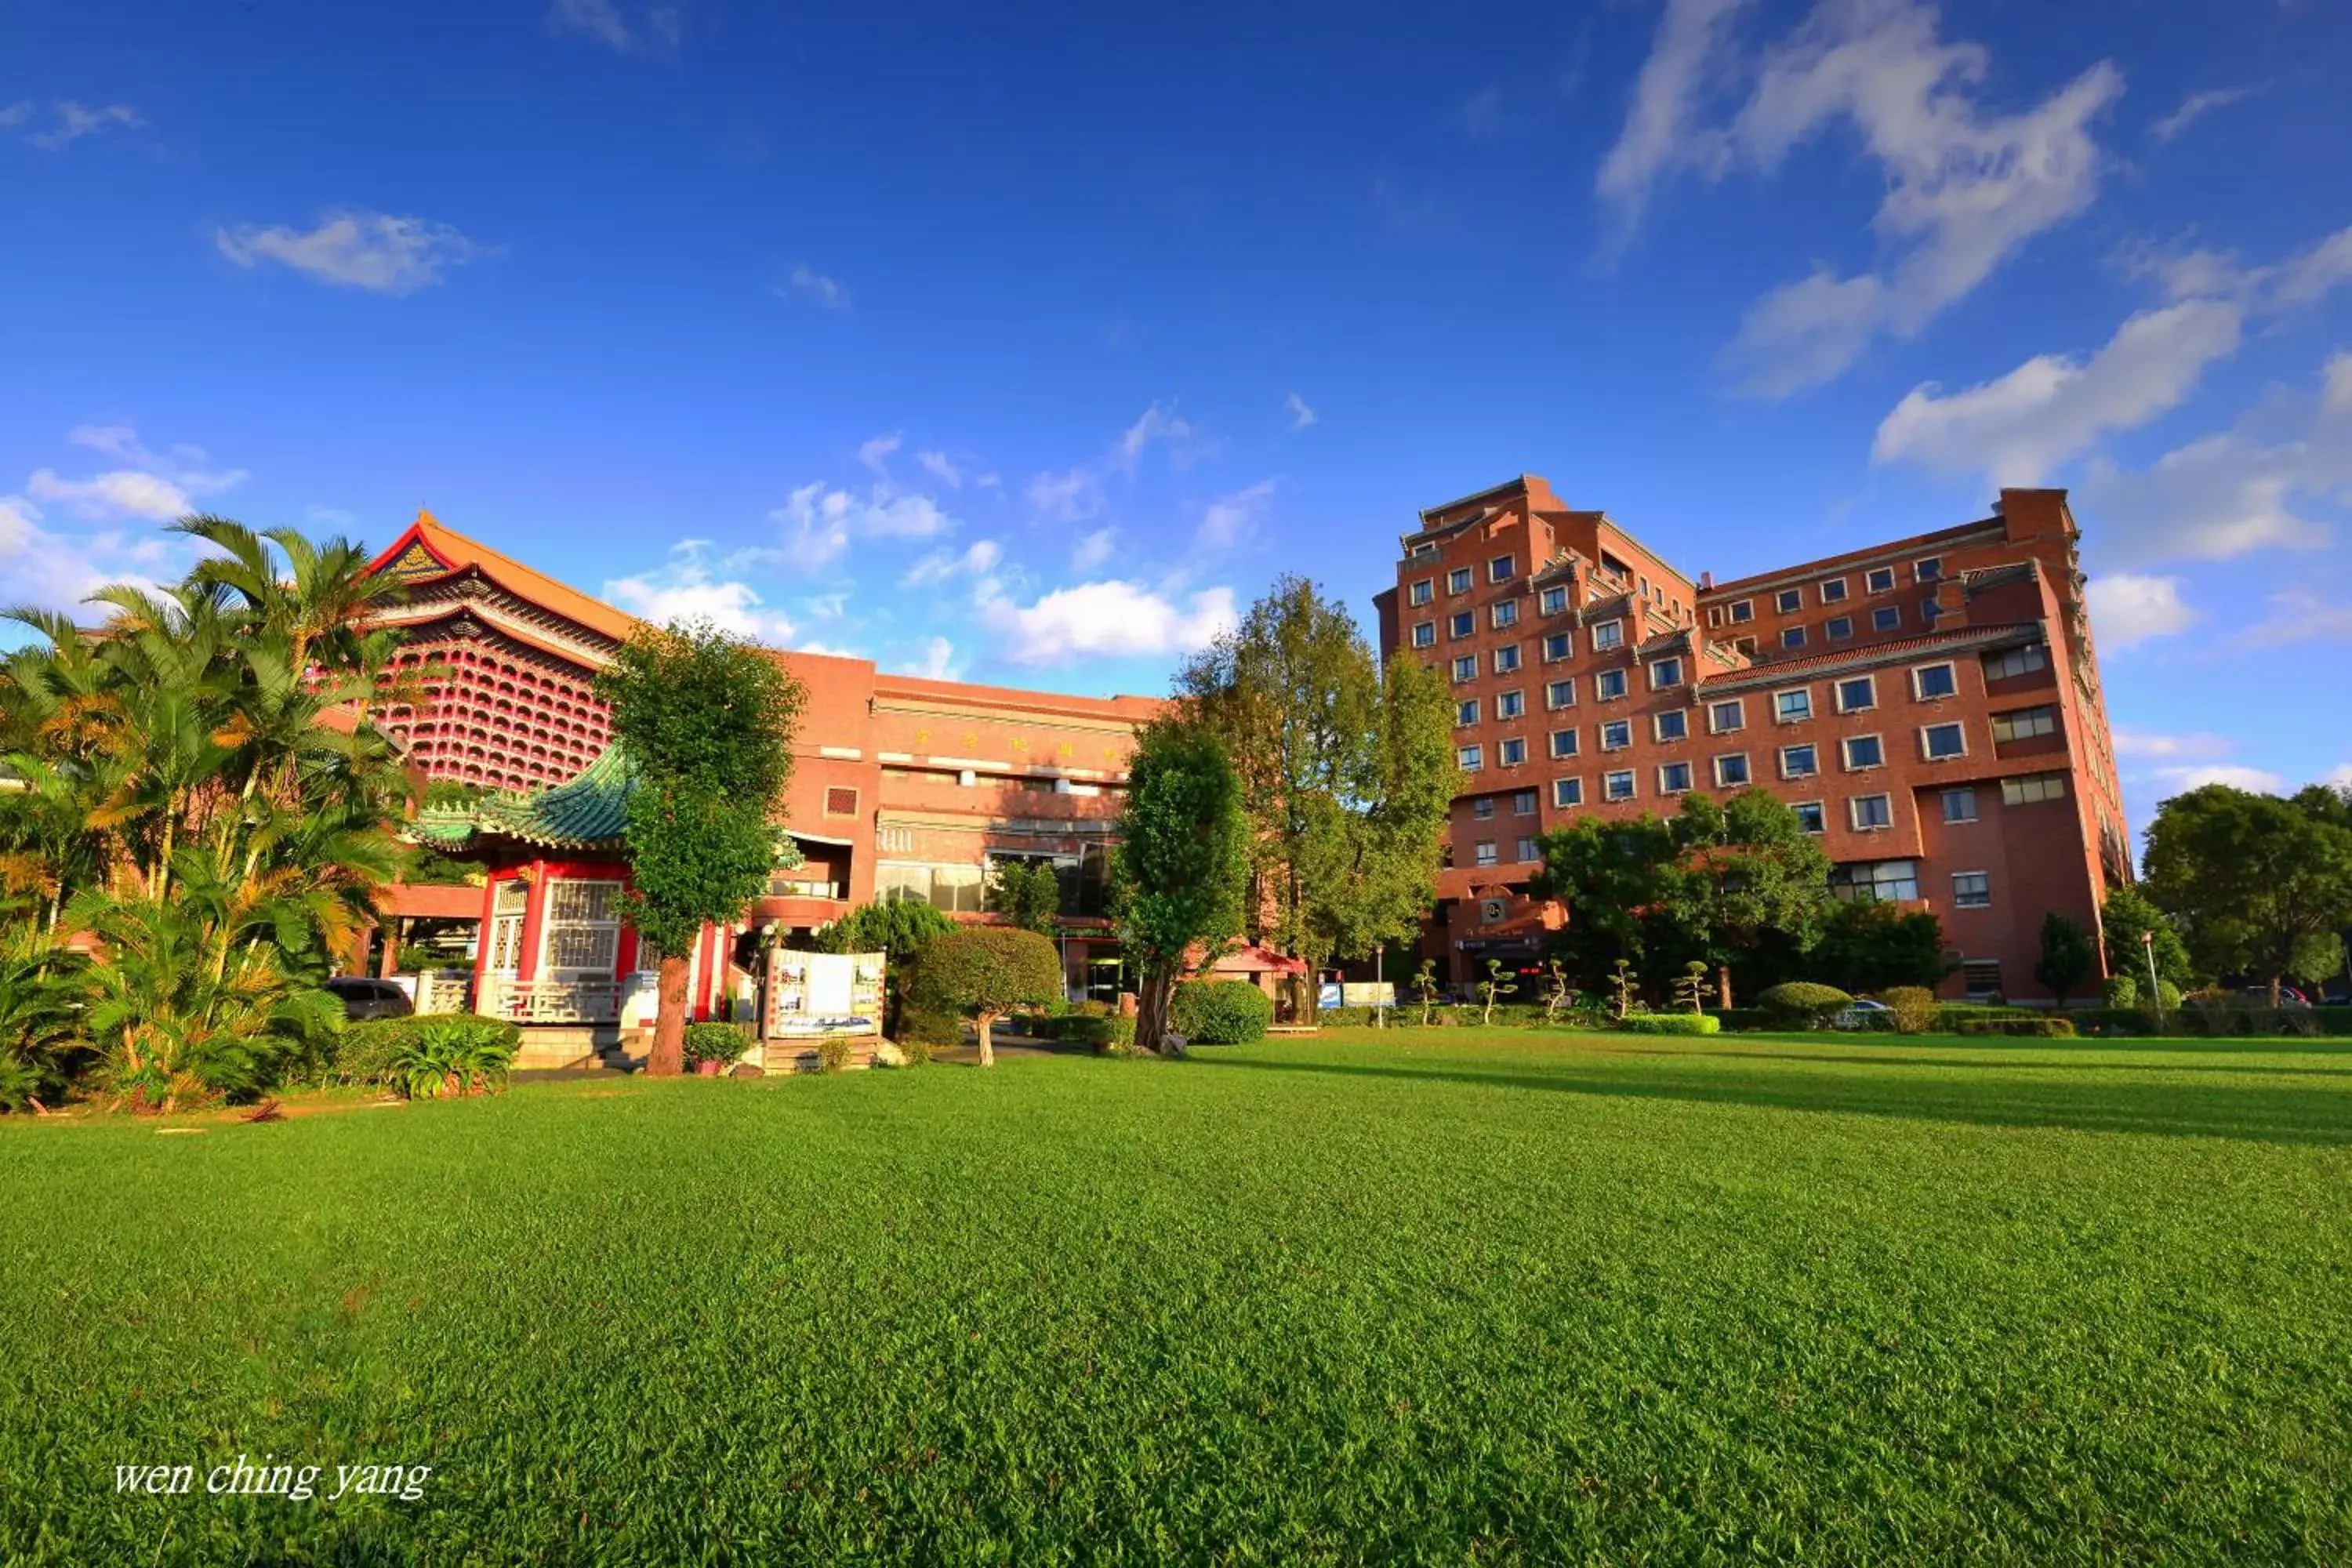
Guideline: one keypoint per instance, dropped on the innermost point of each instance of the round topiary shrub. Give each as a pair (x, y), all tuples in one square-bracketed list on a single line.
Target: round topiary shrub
[(1220, 1012), (1914, 1007), (986, 973), (711, 1042), (1803, 1005), (2122, 991)]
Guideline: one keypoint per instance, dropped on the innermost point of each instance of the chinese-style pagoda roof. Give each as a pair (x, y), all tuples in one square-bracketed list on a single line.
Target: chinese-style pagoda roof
[(431, 549), (588, 811)]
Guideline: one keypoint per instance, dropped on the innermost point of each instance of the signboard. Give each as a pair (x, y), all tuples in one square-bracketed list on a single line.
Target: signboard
[(1356, 994), (812, 993)]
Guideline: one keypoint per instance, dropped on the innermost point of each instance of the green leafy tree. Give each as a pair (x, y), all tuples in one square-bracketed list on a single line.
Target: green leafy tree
[(2131, 926), (1027, 894), (705, 723), (1181, 865), (2068, 957), (1494, 988), (2255, 885), (986, 973), (1618, 879), (1556, 992), (897, 930), (1744, 870), (1347, 773), (1865, 946)]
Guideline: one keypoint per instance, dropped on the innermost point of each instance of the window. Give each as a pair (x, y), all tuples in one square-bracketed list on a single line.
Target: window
[(840, 802), (1506, 659), (1723, 718), (1881, 580), (2032, 788), (1794, 707), (1506, 612), (1424, 634), (1465, 712), (1837, 629), (1789, 601), (1857, 694), (1422, 592), (1528, 851), (1887, 619), (1672, 725), (1742, 611), (1523, 802), (1563, 744), (1941, 743), (1498, 570), (1809, 815), (1559, 646), (2024, 724), (1608, 685), (2016, 661), (1928, 611), (955, 889), (1833, 591), (1800, 762), (1864, 751), (1731, 772), (1674, 778), (1554, 601), (1560, 693), (1510, 704), (1930, 569), (1484, 853), (1792, 637), (1983, 978), (1960, 804), (1514, 752), (1665, 672), (1872, 814), (1460, 625), (1482, 808), (1607, 635), (1873, 881), (1567, 792), (583, 925), (1971, 890), (1930, 681), (1616, 734), (1472, 758), (1617, 785), (1459, 580), (1466, 667)]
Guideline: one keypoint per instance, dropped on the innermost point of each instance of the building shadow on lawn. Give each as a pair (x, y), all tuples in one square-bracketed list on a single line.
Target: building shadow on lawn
[(1975, 1064), (2203, 1110)]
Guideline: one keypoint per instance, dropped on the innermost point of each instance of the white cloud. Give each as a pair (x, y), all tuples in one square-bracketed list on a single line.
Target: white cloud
[(1231, 520), (939, 466), (2337, 378), (2135, 743), (2219, 495), (809, 284), (2340, 776), (374, 251), (2237, 775), (70, 121), (1071, 496), (2126, 609), (689, 587), (2300, 615), (936, 662), (1076, 494), (2194, 107), (1964, 189), (1301, 416), (875, 454), (157, 485), (979, 559), (58, 568), (819, 522), (1092, 550), (1157, 424), (57, 571), (598, 19), (15, 114), (2017, 428), (1111, 619)]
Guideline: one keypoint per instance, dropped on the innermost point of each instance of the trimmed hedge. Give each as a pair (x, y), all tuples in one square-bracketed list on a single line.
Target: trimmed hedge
[(1220, 1012), (2218, 1020), (1667, 1023), (713, 1042), (1802, 1002), (1741, 1017), (1101, 1031), (923, 1026), (2042, 1027)]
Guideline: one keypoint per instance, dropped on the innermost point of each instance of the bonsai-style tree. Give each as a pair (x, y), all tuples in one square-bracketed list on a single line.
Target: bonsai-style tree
[(1496, 984), (1181, 864), (1690, 987), (986, 973), (1424, 985), (1027, 893), (705, 722), (1624, 1000), (2067, 956), (1556, 992)]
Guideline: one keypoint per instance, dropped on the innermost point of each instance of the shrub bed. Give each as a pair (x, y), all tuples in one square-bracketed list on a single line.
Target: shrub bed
[(1668, 1024), (1802, 1004), (2037, 1027), (384, 1053), (922, 1025), (1741, 1017), (712, 1042), (1220, 1012)]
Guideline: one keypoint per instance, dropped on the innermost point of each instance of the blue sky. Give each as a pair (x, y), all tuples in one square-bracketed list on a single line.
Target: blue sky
[(1026, 346)]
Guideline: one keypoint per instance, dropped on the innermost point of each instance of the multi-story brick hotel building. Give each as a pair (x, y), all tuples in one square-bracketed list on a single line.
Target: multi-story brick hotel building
[(1931, 706)]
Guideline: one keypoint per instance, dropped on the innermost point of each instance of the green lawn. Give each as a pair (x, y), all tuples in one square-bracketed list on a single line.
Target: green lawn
[(1423, 1296)]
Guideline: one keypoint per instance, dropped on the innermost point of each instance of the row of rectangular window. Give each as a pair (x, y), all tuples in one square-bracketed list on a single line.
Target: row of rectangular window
[(1958, 803), (1831, 591), (1558, 646), (1945, 742)]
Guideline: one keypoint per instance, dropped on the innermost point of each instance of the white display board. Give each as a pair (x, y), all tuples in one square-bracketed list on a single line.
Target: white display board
[(824, 994)]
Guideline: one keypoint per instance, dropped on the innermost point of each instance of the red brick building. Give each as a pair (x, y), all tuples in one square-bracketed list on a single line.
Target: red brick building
[(902, 787), (1932, 706)]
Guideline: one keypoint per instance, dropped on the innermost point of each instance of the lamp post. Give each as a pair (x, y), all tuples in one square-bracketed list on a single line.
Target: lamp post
[(2155, 988)]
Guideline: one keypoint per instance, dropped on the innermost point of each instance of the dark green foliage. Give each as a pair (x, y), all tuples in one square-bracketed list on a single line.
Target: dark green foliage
[(1220, 1012), (2126, 913), (2255, 885), (1182, 863), (1746, 871), (920, 1025), (1868, 946), (440, 1052), (1027, 893), (985, 973), (898, 929), (1104, 1034), (2120, 991), (1668, 1024), (2068, 956), (1915, 1008), (715, 1042), (1743, 1018), (2040, 1028), (1803, 1003)]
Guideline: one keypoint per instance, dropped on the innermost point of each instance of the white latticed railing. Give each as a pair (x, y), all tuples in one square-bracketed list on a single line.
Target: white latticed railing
[(553, 1001)]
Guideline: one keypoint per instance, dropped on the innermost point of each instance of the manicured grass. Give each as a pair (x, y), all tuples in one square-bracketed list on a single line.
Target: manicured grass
[(1420, 1296)]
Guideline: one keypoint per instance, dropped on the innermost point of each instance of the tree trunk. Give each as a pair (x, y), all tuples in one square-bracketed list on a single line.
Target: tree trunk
[(1723, 985), (1151, 1009), (667, 1057), (987, 1045), (2275, 990)]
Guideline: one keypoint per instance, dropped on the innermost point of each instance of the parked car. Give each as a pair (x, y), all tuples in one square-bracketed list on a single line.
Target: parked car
[(1865, 1013), (2288, 996), (363, 998)]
